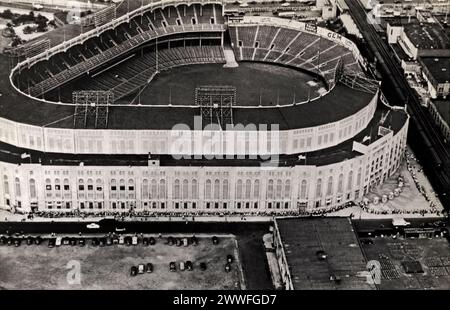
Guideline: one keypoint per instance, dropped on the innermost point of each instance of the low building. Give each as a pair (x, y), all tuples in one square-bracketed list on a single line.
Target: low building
[(436, 71), (419, 39), (319, 253)]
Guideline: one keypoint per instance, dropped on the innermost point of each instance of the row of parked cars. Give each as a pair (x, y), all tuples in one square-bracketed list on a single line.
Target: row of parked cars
[(141, 269), (17, 241), (100, 241)]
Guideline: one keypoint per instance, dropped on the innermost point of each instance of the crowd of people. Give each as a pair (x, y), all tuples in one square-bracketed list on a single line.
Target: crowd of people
[(369, 207), (419, 186), (137, 214)]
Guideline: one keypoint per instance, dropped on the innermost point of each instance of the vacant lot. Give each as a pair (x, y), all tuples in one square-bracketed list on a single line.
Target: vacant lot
[(40, 267)]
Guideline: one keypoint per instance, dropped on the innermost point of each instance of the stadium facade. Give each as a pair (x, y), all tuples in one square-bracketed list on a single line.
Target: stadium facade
[(100, 152)]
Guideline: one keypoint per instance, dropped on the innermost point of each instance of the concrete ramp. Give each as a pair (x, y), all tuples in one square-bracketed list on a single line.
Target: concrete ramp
[(229, 58)]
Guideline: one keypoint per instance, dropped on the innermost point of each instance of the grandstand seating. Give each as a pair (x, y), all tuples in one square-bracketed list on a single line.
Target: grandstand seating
[(60, 68), (129, 76), (291, 47)]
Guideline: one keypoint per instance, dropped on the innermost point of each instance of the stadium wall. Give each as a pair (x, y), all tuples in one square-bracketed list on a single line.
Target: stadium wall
[(110, 141), (207, 189)]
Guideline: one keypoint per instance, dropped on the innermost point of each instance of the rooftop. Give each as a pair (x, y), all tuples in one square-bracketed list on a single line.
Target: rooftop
[(443, 107), (302, 238), (438, 67), (427, 36)]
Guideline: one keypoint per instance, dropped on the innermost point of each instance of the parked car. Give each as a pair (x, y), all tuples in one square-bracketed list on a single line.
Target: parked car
[(189, 265), (172, 267), (170, 240), (128, 240), (145, 241), (215, 240), (51, 242), (227, 267), (194, 240), (38, 240), (95, 242), (93, 226), (121, 240), (141, 268), (115, 240), (17, 242), (109, 241), (133, 271), (203, 266), (321, 255), (182, 267), (230, 258), (149, 268), (134, 240), (81, 242), (73, 241), (102, 241), (30, 240), (10, 241), (58, 241), (185, 242), (152, 241), (3, 240), (179, 242)]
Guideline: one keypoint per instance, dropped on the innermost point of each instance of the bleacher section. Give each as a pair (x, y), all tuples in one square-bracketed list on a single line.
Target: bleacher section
[(291, 47), (138, 71), (60, 68)]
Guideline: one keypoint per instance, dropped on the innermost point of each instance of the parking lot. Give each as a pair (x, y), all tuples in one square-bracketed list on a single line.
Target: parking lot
[(108, 267)]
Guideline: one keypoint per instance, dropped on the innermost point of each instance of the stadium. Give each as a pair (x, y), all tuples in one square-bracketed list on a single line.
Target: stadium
[(175, 107)]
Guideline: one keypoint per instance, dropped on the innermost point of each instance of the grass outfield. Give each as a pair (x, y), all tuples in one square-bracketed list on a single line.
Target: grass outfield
[(40, 267), (252, 80)]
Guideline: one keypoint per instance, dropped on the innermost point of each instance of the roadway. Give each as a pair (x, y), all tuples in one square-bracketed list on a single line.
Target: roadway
[(430, 146)]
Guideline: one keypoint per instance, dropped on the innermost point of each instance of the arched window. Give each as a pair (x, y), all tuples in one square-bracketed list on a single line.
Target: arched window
[(144, 189), (319, 188), (33, 188), (330, 186), (17, 187), (225, 193), (176, 189), (185, 189), (90, 185), (358, 178), (239, 189), (248, 188), (287, 189), (208, 189), (303, 189), (154, 190), (216, 189), (162, 189), (341, 183), (122, 184), (350, 180), (194, 189), (256, 190), (270, 189), (279, 188)]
